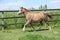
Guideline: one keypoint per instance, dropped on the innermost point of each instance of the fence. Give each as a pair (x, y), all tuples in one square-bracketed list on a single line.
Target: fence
[(21, 16)]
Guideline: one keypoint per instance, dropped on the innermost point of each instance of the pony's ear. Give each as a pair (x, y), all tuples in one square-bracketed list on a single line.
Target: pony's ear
[(21, 7)]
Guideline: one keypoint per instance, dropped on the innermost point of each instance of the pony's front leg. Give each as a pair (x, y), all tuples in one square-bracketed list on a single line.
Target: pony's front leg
[(26, 24), (24, 28)]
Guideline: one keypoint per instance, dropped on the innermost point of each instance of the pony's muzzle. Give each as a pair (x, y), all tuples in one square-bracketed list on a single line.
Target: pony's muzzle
[(19, 13)]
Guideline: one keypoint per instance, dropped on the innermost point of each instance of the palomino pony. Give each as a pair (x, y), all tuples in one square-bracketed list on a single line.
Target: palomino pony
[(38, 17)]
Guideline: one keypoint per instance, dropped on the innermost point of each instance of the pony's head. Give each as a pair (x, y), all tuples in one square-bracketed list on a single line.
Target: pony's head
[(22, 10)]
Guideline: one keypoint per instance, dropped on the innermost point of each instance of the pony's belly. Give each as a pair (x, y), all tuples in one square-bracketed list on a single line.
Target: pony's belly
[(36, 19)]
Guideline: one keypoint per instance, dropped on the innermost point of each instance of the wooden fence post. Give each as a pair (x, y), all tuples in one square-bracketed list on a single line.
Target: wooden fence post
[(2, 20)]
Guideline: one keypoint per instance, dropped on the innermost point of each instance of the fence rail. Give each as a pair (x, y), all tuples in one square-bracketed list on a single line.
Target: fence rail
[(12, 17), (23, 16), (30, 10), (3, 24)]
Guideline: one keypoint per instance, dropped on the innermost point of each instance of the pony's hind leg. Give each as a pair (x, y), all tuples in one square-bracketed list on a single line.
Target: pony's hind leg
[(40, 23), (32, 26), (49, 27), (26, 24)]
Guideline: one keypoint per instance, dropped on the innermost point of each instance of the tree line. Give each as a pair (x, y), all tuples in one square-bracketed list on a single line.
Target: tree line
[(41, 7)]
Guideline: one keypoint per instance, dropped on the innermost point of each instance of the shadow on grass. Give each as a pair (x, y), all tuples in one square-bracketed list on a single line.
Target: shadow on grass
[(37, 30)]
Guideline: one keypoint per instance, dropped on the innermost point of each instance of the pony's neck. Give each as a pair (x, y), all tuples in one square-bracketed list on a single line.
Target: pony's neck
[(25, 13)]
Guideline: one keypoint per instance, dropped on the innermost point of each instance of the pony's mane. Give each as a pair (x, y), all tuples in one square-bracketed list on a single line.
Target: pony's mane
[(27, 10)]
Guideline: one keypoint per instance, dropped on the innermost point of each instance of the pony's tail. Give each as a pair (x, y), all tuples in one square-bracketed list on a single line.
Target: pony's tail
[(46, 13), (49, 16)]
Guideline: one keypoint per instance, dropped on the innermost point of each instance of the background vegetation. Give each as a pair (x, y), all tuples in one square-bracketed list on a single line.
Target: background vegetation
[(14, 32)]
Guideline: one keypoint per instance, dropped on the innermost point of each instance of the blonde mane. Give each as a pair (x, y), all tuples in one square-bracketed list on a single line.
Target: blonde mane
[(27, 10)]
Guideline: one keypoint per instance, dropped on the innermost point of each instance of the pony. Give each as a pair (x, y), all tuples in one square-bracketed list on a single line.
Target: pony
[(38, 17)]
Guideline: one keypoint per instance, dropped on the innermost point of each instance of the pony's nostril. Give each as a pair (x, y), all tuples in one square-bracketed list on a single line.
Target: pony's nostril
[(18, 14)]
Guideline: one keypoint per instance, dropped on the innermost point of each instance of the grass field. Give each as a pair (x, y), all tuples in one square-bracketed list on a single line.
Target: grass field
[(18, 34), (14, 32)]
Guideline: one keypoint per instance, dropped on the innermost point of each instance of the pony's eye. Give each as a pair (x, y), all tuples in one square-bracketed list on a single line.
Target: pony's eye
[(21, 10)]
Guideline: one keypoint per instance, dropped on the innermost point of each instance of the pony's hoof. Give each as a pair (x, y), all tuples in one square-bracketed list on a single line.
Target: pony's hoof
[(34, 30), (50, 29), (39, 29), (23, 30)]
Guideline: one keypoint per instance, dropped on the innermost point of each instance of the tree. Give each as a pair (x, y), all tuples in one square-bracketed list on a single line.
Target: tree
[(40, 7), (45, 6), (32, 8)]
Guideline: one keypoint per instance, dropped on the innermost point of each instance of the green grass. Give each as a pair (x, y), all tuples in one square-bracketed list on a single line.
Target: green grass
[(18, 34)]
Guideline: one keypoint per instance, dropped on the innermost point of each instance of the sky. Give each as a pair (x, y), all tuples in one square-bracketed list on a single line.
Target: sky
[(16, 4)]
